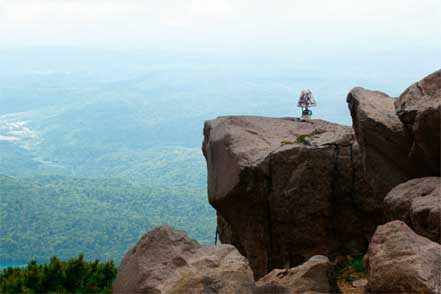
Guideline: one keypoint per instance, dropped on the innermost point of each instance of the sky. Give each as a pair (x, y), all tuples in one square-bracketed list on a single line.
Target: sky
[(219, 23)]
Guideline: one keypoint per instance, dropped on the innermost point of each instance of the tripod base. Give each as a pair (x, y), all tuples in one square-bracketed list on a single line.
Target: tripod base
[(306, 114)]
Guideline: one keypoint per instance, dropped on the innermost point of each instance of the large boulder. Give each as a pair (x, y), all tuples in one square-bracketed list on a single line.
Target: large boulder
[(400, 261), (316, 275), (418, 203), (399, 138), (419, 108), (286, 190), (384, 143), (165, 260)]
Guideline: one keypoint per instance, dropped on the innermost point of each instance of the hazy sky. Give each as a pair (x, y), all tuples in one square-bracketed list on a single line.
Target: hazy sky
[(218, 23)]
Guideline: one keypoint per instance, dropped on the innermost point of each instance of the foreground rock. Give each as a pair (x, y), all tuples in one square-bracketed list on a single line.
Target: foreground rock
[(316, 275), (384, 143), (167, 261), (400, 261), (419, 108), (286, 190), (418, 203)]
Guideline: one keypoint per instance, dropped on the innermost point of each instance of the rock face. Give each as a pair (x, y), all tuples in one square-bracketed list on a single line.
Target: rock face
[(418, 203), (399, 138), (316, 275), (400, 261), (286, 190), (419, 108), (167, 261), (384, 143)]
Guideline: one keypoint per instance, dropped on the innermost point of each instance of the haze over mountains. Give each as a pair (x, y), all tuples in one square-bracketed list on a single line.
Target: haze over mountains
[(96, 144)]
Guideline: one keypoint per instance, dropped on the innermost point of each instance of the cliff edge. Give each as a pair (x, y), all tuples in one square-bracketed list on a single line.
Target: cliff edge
[(286, 190)]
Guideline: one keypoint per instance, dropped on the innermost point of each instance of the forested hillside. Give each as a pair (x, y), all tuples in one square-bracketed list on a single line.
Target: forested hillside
[(63, 216)]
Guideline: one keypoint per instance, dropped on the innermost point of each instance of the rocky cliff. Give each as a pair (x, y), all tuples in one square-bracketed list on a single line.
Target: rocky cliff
[(399, 137), (384, 143), (419, 109), (286, 190)]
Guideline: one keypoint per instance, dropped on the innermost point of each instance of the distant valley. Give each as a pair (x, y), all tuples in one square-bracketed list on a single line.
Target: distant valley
[(98, 147)]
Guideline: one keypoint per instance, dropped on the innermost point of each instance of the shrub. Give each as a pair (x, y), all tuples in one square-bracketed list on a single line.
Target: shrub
[(73, 276), (351, 268), (301, 139), (358, 265)]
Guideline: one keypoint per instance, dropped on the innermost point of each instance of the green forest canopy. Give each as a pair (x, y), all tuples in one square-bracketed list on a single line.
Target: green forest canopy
[(46, 216), (73, 276)]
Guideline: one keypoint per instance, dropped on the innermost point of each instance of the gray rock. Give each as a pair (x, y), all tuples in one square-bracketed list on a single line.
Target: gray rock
[(399, 138), (384, 143), (316, 275), (400, 261), (419, 108), (286, 190), (418, 203), (165, 260), (361, 283)]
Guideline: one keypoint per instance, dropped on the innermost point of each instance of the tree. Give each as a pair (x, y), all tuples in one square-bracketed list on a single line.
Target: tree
[(73, 276)]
